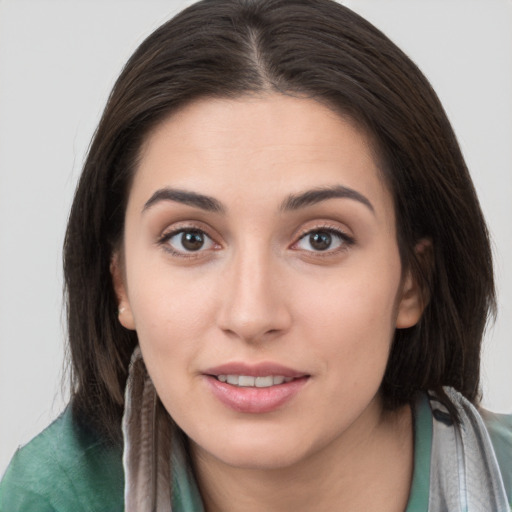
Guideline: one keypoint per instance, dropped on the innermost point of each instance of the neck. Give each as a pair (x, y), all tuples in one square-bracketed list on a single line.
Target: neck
[(370, 463)]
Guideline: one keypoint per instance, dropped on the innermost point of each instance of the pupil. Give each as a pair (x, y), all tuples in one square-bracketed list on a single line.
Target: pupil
[(192, 240), (320, 240)]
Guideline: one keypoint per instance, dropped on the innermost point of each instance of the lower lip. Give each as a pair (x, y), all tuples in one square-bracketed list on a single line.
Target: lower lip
[(255, 400)]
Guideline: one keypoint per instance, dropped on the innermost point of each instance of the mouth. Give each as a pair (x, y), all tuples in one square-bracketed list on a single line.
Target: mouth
[(255, 388)]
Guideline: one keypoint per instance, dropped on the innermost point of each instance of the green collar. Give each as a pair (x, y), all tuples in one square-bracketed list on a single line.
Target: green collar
[(185, 494), (418, 498)]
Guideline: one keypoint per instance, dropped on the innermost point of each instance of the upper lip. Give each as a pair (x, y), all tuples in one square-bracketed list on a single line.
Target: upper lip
[(254, 370)]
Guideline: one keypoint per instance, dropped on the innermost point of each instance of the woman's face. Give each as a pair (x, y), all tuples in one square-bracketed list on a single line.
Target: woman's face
[(262, 275)]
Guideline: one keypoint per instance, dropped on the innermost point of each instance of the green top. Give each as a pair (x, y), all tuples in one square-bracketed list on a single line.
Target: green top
[(68, 468), (64, 468)]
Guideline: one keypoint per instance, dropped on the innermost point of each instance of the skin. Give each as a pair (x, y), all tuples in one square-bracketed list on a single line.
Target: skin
[(258, 290)]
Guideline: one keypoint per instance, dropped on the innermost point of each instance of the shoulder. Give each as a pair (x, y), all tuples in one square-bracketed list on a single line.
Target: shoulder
[(66, 467), (499, 427)]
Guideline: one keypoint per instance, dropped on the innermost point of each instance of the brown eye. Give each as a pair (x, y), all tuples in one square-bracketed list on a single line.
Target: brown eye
[(188, 240), (320, 240), (323, 240), (192, 240)]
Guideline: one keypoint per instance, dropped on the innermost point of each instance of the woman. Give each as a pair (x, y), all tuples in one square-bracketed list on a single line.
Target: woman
[(278, 276)]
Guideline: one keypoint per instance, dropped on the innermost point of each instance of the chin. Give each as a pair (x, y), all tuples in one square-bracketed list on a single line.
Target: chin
[(257, 459), (258, 451)]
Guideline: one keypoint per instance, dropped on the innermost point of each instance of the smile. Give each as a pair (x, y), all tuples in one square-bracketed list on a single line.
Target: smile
[(248, 381), (254, 388)]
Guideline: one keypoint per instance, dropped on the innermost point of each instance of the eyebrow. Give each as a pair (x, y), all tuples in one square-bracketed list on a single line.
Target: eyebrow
[(201, 201), (292, 202), (310, 197)]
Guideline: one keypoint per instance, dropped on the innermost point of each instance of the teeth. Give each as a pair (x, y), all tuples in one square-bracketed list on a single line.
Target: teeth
[(247, 381), (264, 382), (232, 379)]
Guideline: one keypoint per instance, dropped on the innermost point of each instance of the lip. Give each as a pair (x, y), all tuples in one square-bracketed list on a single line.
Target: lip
[(251, 399), (254, 370)]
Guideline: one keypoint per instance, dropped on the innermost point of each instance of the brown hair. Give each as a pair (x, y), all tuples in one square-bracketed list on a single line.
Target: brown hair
[(313, 48)]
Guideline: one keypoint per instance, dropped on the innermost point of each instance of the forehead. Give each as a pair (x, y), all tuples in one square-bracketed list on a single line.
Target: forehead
[(274, 144), (250, 123)]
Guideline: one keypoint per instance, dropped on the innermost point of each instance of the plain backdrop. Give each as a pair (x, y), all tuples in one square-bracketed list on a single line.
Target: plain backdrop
[(58, 61)]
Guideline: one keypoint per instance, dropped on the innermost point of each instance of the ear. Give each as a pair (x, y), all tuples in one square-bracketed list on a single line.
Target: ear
[(119, 282), (415, 295)]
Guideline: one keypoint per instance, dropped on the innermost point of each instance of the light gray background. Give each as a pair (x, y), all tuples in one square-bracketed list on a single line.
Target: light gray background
[(58, 61)]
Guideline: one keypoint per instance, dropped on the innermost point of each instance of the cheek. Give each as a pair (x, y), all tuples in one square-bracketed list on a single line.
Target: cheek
[(353, 299), (351, 318), (172, 312)]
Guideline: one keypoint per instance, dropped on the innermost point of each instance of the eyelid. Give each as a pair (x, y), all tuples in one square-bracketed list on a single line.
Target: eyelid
[(329, 227), (183, 227), (324, 225), (187, 225)]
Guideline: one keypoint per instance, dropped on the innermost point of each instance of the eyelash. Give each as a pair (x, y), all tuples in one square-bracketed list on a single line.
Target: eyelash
[(167, 236), (346, 241)]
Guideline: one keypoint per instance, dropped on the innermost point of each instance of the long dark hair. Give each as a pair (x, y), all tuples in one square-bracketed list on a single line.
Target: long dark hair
[(310, 48)]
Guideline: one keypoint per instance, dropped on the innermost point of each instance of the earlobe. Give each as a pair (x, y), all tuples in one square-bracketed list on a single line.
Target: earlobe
[(415, 295), (411, 305), (124, 311)]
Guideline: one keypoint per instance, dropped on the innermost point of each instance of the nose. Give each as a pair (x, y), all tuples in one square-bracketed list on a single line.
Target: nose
[(254, 306)]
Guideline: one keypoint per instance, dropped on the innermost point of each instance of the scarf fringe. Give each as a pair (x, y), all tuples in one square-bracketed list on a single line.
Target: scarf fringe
[(147, 432)]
